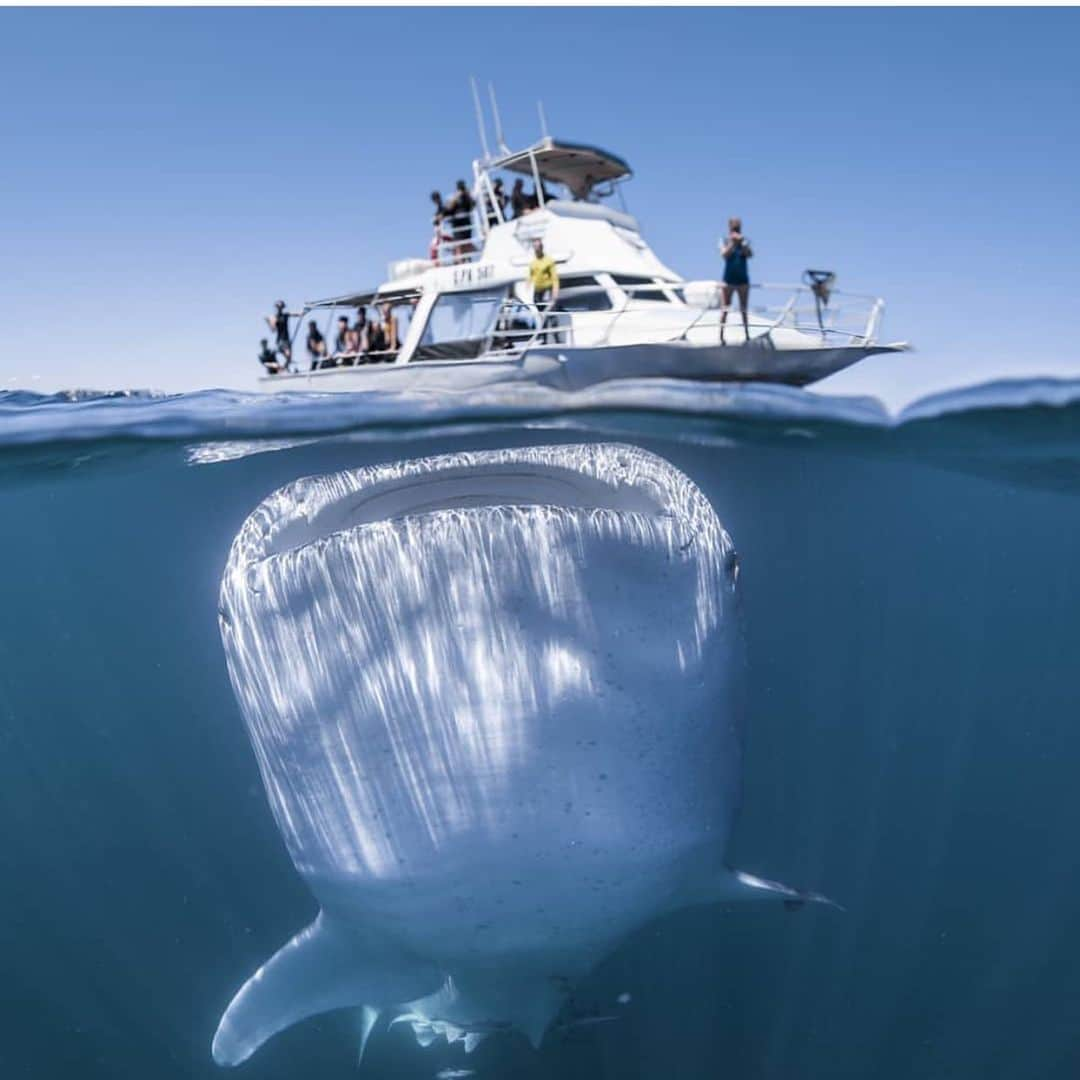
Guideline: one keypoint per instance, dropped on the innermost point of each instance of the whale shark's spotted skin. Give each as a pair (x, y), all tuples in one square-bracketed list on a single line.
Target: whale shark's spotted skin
[(493, 701)]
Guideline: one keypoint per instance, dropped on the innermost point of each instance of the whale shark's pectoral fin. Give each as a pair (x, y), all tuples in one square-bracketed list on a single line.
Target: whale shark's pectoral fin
[(366, 1022), (728, 886), (325, 967)]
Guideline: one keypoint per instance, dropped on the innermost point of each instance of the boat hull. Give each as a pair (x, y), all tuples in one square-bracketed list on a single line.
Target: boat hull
[(577, 368)]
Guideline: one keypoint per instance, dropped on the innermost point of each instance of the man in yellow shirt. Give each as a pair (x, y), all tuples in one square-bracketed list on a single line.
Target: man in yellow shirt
[(544, 278)]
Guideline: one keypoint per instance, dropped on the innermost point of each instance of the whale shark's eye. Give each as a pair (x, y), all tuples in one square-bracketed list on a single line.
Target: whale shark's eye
[(731, 564)]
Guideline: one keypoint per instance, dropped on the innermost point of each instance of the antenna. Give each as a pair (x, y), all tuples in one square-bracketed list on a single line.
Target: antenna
[(503, 148), (543, 119), (479, 117)]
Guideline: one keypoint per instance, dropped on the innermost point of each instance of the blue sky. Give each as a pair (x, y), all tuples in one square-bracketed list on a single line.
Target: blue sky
[(167, 174)]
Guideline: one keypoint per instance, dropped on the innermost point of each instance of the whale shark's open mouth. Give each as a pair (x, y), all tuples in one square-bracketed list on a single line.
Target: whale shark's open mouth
[(603, 476)]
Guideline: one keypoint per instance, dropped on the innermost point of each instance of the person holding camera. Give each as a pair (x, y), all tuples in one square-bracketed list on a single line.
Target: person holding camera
[(735, 250)]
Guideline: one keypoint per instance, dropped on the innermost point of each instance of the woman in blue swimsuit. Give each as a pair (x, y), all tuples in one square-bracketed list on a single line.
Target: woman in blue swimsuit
[(735, 250)]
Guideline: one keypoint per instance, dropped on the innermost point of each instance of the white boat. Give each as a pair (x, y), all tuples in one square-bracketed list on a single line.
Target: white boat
[(466, 316)]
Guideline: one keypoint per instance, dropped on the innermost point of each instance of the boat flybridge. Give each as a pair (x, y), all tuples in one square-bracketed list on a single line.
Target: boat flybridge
[(465, 317)]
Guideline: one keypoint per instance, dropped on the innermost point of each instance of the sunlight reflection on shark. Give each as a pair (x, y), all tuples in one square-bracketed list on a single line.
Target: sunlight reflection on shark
[(493, 699)]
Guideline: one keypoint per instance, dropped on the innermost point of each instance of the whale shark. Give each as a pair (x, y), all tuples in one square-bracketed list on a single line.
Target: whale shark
[(494, 698)]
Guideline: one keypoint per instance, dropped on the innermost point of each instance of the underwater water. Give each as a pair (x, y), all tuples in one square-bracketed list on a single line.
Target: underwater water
[(907, 710)]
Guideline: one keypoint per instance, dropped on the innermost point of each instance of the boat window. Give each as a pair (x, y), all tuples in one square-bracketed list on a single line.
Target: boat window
[(637, 293), (460, 325), (583, 294)]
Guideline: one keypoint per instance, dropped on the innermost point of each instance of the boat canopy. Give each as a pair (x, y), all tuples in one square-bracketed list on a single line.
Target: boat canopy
[(364, 299), (579, 167)]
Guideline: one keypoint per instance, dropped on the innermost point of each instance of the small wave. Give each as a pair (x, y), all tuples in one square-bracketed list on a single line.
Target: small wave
[(83, 415), (992, 396)]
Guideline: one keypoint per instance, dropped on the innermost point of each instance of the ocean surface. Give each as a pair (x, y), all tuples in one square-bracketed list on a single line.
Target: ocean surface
[(909, 591)]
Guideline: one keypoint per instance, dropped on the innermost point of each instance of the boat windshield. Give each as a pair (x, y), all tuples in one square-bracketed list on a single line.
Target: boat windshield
[(640, 288), (460, 324)]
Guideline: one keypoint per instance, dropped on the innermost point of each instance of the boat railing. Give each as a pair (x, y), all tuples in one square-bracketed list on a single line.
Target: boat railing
[(689, 312), (357, 359), (672, 311), (841, 314), (844, 318), (457, 244), (519, 327), (336, 362)]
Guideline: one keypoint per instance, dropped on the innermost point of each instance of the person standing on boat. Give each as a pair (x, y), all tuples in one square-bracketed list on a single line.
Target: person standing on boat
[(376, 339), (495, 204), (341, 339), (268, 358), (279, 324), (438, 236), (316, 345), (519, 201), (390, 330), (544, 278), (461, 208), (735, 250), (440, 209), (360, 331)]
